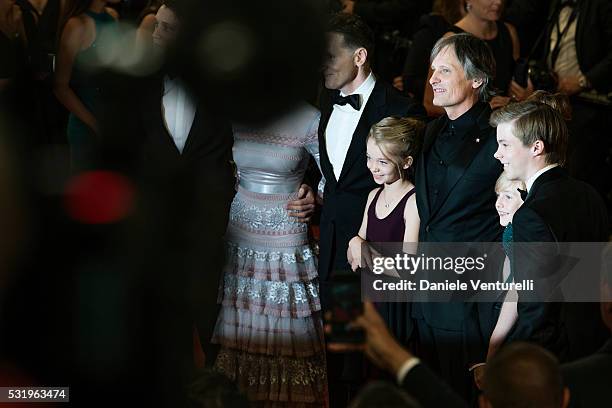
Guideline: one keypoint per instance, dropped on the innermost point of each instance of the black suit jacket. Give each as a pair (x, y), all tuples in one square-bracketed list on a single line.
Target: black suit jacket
[(558, 209), (589, 379), (345, 198), (203, 171), (207, 152), (191, 194), (465, 210)]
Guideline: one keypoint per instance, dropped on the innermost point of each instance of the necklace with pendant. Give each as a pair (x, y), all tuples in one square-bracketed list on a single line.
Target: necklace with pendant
[(387, 204), (385, 198)]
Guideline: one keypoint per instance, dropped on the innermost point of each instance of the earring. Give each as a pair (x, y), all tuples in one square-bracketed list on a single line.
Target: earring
[(468, 7)]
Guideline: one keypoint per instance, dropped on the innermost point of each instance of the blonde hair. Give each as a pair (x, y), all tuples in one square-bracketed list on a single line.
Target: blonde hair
[(504, 183), (398, 139), (541, 117)]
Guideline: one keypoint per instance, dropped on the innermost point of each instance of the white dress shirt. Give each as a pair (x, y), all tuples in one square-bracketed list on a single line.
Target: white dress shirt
[(405, 369), (179, 111), (342, 124), (533, 178)]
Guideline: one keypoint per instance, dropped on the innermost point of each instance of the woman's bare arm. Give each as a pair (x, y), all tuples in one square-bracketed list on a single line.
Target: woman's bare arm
[(70, 44)]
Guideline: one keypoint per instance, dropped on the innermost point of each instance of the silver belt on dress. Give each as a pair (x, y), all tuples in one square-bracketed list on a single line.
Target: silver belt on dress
[(267, 188)]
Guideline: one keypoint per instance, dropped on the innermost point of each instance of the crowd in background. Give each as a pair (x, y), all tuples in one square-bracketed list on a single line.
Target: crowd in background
[(134, 136)]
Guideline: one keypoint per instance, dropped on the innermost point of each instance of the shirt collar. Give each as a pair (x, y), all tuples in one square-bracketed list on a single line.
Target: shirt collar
[(170, 83), (463, 123), (533, 178), (364, 90)]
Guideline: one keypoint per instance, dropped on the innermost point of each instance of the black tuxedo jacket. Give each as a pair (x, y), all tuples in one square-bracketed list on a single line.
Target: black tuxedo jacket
[(558, 209), (191, 193), (345, 198), (589, 379), (207, 152), (202, 174), (204, 168), (465, 210)]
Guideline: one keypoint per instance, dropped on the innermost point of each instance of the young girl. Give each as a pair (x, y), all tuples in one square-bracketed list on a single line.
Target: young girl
[(391, 212)]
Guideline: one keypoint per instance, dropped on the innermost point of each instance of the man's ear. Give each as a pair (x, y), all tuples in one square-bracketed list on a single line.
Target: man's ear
[(477, 83), (361, 56), (537, 148)]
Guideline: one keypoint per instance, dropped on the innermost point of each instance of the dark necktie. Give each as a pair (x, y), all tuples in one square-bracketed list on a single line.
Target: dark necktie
[(352, 100), (523, 193)]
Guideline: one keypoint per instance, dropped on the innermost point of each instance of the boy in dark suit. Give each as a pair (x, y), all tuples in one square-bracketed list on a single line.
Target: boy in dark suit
[(532, 139)]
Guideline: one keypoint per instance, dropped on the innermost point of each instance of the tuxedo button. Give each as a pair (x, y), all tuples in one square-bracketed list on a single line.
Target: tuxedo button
[(441, 162)]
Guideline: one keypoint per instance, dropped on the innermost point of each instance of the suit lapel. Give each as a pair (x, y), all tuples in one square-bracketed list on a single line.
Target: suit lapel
[(369, 116), (192, 133), (326, 111), (160, 118)]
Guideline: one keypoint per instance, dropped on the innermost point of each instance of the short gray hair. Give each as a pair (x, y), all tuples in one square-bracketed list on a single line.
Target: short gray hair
[(475, 58)]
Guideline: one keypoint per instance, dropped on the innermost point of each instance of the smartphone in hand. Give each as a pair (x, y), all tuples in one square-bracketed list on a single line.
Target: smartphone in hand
[(346, 306)]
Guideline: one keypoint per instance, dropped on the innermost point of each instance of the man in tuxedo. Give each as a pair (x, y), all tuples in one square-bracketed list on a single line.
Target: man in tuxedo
[(187, 154), (186, 164), (533, 139), (353, 101), (455, 194)]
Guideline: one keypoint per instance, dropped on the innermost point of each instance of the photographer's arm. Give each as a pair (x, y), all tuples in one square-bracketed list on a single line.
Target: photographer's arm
[(385, 352)]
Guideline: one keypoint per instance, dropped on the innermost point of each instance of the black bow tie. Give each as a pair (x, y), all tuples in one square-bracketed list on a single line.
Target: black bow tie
[(523, 193), (353, 100)]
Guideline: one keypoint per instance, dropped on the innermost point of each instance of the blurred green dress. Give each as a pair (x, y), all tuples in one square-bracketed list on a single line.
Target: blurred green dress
[(86, 83)]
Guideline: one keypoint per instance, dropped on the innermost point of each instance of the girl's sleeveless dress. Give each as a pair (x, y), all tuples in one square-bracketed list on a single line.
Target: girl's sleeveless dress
[(391, 229)]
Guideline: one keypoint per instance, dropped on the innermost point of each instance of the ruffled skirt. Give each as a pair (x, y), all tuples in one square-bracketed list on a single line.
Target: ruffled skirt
[(269, 327)]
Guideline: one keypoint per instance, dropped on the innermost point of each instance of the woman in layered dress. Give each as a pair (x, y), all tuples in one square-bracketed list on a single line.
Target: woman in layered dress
[(269, 327)]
